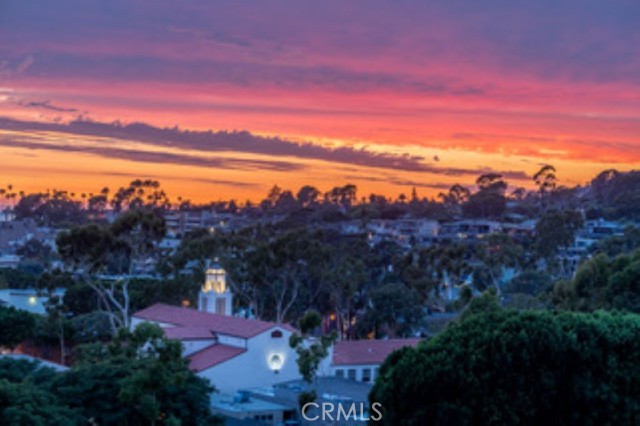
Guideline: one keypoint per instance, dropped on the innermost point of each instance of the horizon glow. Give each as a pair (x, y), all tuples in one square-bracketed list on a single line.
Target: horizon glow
[(458, 87)]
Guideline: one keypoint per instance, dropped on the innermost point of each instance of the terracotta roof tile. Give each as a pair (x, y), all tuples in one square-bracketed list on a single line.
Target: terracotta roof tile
[(356, 352), (212, 356), (221, 324), (188, 333)]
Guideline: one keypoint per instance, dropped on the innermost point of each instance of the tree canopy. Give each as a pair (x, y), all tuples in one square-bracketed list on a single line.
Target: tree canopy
[(602, 283), (139, 379), (15, 326), (497, 367)]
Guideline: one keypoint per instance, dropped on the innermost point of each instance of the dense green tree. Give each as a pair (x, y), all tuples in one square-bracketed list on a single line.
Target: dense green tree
[(490, 200), (172, 291), (344, 196), (51, 208), (602, 283), (497, 367), (35, 249), (435, 270), (286, 202), (619, 244), (140, 378), (16, 278), (616, 195), (97, 203), (56, 325), (455, 198), (52, 280), (90, 327), (25, 404), (555, 231), (500, 254), (16, 326), (624, 286), (27, 398), (17, 370), (80, 299), (345, 283), (284, 267), (308, 195), (393, 311), (117, 248), (140, 195)]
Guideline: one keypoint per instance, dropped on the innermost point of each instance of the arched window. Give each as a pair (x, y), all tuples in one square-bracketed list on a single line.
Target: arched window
[(276, 334)]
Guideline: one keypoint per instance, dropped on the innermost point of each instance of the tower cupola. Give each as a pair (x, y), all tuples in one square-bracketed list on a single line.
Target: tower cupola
[(215, 279), (215, 296)]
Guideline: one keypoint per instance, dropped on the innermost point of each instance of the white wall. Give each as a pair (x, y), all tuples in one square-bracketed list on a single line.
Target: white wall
[(237, 342), (192, 346), (359, 370), (251, 369), (328, 369)]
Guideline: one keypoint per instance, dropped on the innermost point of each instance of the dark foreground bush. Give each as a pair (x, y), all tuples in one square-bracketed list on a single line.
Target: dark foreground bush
[(518, 368)]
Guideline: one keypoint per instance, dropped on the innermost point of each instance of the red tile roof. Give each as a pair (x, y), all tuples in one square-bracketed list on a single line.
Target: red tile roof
[(221, 324), (188, 333), (365, 352), (212, 356)]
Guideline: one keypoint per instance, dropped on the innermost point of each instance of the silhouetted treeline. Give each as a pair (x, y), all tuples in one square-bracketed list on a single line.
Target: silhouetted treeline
[(610, 195)]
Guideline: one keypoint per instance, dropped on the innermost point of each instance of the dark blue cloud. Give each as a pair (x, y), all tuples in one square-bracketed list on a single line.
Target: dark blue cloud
[(207, 142)]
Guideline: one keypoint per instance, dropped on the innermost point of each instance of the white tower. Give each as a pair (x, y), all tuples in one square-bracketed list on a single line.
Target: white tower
[(215, 297)]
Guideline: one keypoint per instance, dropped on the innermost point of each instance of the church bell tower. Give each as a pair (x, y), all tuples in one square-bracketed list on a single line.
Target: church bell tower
[(215, 296)]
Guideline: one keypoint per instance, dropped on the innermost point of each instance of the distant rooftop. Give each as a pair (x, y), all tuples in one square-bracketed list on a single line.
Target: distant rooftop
[(188, 333), (366, 352), (191, 318), (212, 356), (231, 404)]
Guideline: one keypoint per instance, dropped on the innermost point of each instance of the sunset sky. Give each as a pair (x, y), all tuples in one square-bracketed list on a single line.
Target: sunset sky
[(383, 94)]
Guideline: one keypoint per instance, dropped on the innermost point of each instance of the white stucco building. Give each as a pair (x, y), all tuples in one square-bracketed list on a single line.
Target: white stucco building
[(360, 360), (237, 353), (233, 353)]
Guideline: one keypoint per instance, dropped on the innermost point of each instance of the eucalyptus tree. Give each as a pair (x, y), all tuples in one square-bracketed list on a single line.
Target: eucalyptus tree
[(94, 250), (435, 270), (546, 181), (502, 259), (489, 201)]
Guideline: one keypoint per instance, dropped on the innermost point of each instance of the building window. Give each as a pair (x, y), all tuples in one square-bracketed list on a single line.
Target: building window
[(366, 375), (221, 307), (351, 374), (340, 373), (263, 419), (276, 334)]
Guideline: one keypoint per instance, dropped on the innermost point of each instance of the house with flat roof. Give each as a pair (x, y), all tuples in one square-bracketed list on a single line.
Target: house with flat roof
[(244, 409)]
